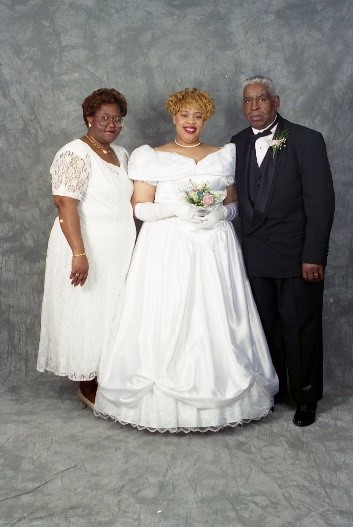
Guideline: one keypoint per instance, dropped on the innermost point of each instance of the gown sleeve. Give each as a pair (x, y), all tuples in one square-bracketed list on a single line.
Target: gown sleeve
[(143, 165), (229, 164), (70, 174)]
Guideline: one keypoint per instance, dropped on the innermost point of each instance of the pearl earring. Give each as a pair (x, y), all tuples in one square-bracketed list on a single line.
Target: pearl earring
[(89, 125)]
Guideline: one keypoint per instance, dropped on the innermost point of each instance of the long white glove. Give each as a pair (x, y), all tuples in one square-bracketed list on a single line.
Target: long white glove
[(158, 211), (223, 212)]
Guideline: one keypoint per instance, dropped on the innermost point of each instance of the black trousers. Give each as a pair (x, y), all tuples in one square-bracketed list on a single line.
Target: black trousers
[(291, 314)]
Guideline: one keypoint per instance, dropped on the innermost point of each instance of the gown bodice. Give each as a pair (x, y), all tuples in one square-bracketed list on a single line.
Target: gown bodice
[(172, 173)]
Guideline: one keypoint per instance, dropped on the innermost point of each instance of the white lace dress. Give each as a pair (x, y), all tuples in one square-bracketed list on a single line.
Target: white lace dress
[(77, 321), (190, 353)]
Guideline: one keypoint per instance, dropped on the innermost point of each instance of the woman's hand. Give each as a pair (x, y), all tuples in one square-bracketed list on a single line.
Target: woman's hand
[(79, 270), (212, 219), (70, 225), (187, 212)]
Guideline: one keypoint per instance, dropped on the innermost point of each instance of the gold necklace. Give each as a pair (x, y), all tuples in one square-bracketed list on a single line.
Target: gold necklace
[(104, 150), (186, 146)]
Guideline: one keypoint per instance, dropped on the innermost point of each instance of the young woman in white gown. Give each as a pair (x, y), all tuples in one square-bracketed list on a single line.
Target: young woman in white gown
[(190, 353)]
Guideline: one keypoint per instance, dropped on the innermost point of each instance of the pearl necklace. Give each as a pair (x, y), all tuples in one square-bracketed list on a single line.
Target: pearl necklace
[(104, 150), (186, 146)]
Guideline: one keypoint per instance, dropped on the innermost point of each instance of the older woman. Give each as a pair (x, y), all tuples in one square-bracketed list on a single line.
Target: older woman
[(90, 245), (190, 353)]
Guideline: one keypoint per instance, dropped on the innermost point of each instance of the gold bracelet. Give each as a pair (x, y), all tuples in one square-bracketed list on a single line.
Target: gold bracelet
[(80, 254)]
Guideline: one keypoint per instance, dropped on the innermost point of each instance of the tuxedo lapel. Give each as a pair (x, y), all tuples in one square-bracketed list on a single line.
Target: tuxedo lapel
[(268, 181)]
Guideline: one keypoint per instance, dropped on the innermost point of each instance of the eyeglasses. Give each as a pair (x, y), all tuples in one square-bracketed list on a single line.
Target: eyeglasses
[(106, 119)]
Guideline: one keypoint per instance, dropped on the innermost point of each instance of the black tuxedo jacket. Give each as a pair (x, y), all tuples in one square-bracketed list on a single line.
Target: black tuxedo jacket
[(291, 221)]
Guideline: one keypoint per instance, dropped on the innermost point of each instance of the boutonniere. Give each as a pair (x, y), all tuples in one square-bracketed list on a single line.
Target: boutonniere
[(279, 142)]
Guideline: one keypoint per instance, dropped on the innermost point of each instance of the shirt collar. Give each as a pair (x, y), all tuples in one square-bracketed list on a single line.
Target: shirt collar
[(256, 131)]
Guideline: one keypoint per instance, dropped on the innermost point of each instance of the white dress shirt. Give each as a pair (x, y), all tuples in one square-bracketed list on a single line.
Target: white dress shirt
[(262, 144)]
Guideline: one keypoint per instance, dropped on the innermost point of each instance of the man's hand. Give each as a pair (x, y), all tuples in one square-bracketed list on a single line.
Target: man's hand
[(313, 272)]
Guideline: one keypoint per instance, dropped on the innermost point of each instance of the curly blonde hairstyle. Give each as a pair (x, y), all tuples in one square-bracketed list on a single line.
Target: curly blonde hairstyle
[(191, 97)]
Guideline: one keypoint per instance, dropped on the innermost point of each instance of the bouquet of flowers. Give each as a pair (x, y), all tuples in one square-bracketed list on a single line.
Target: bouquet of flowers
[(201, 195)]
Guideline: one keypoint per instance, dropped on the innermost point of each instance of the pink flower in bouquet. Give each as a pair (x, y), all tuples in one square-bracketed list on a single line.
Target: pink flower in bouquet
[(208, 200), (202, 196)]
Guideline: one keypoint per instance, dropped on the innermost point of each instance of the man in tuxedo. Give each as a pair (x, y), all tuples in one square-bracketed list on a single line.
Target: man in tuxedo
[(286, 205)]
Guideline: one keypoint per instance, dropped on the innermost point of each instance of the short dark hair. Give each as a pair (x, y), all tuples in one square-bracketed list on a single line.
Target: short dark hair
[(93, 102)]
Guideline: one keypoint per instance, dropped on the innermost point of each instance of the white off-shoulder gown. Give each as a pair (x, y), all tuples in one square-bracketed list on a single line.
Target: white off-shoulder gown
[(190, 353)]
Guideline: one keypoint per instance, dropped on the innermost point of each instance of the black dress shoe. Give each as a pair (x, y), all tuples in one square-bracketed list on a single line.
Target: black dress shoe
[(305, 415)]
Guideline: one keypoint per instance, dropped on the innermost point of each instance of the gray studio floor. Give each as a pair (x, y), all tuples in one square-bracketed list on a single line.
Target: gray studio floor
[(61, 466)]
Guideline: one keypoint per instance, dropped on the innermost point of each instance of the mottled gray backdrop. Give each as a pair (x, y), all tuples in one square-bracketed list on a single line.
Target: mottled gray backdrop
[(54, 53)]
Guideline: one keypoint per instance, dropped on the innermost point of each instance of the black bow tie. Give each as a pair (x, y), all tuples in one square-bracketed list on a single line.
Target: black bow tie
[(255, 137)]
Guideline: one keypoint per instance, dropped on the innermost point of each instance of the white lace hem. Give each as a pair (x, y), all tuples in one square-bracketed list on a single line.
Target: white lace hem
[(183, 429), (72, 376), (157, 411)]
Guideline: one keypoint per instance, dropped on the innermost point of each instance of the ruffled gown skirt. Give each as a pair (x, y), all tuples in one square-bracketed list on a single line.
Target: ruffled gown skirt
[(190, 353)]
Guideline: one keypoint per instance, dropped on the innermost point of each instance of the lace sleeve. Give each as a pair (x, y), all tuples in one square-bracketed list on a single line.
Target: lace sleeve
[(70, 174)]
